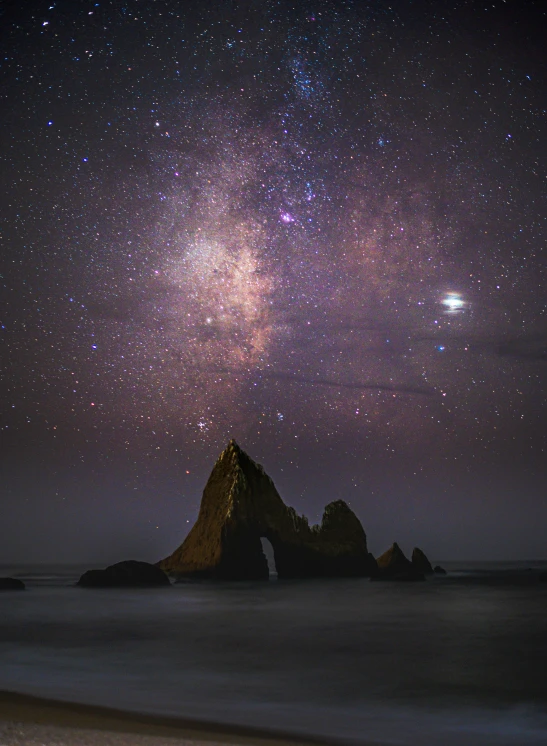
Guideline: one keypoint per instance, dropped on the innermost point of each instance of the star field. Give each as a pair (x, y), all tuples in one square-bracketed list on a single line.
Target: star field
[(318, 228)]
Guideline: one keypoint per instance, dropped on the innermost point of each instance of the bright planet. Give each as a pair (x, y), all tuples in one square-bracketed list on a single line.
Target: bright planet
[(453, 303)]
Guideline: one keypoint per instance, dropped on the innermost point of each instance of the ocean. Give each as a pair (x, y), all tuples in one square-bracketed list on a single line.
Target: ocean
[(458, 659)]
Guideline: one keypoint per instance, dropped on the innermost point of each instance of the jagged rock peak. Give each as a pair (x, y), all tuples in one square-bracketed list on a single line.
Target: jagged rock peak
[(392, 557), (420, 562), (238, 456), (240, 504), (393, 565)]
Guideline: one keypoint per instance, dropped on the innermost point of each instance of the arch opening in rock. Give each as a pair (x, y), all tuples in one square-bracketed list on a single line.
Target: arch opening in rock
[(241, 508), (268, 551)]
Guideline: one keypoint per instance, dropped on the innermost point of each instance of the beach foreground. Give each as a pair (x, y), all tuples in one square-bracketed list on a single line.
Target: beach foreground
[(36, 721), (457, 660)]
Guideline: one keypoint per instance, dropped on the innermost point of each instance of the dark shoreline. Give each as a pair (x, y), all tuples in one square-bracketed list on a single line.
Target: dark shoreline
[(29, 709)]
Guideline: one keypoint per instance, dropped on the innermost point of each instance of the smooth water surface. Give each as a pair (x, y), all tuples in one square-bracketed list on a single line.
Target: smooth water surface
[(461, 658)]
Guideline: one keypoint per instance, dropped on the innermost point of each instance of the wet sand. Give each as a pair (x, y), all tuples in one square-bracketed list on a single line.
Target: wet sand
[(34, 721)]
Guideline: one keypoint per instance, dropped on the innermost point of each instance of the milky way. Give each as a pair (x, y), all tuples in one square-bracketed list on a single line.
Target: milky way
[(316, 229)]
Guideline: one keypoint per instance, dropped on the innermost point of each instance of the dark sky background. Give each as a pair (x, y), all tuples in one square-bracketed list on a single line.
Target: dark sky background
[(317, 227)]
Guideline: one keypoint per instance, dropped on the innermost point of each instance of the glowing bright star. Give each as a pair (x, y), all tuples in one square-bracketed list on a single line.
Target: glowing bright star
[(453, 303), (286, 218)]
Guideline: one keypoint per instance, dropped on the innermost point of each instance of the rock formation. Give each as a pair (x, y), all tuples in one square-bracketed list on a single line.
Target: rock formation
[(420, 562), (393, 559), (240, 504), (438, 570), (11, 584), (129, 574), (393, 565)]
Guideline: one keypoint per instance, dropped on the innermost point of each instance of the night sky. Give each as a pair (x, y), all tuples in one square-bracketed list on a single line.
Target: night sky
[(316, 227)]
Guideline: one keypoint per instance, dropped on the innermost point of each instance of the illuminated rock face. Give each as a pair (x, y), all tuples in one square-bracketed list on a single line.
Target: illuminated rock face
[(239, 506)]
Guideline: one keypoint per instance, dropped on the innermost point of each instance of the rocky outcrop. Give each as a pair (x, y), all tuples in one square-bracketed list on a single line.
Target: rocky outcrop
[(393, 565), (11, 584), (393, 560), (438, 570), (240, 504), (420, 562), (128, 574)]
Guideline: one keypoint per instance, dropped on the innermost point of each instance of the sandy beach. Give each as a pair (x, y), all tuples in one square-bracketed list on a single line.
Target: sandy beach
[(35, 721)]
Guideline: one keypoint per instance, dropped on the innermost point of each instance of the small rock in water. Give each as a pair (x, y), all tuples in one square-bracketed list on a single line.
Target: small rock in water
[(11, 584), (128, 574), (393, 565)]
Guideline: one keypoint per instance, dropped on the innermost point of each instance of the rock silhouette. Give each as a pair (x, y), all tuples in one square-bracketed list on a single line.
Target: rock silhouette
[(240, 504), (11, 584), (393, 565), (420, 562), (127, 574), (438, 570)]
